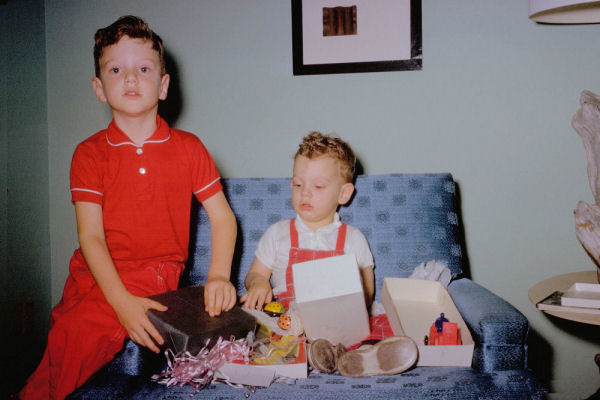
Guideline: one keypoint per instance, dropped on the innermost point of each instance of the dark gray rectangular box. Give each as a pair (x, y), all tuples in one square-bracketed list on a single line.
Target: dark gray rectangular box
[(185, 326)]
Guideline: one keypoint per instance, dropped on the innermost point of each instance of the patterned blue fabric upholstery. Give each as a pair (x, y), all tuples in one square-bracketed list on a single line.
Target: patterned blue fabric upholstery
[(407, 219), (416, 384)]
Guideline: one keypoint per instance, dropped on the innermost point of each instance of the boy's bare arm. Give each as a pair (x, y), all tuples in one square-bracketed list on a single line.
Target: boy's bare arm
[(257, 283), (219, 293), (130, 309), (368, 280)]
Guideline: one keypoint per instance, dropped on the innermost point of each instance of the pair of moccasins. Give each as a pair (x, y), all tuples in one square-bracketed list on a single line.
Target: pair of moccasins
[(390, 356)]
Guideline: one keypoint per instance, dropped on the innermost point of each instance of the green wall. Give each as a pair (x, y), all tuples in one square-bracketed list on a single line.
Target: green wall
[(25, 268), (492, 105), (3, 147)]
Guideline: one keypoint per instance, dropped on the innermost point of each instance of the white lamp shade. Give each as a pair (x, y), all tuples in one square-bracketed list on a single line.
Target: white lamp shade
[(564, 11)]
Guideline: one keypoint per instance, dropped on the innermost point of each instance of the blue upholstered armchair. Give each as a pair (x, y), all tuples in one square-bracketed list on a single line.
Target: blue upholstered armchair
[(408, 219)]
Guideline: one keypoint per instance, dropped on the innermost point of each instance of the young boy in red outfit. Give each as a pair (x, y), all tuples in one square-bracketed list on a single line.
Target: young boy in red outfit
[(131, 185)]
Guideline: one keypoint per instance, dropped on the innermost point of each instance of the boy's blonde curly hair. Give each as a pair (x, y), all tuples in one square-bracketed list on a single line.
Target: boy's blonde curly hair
[(315, 144)]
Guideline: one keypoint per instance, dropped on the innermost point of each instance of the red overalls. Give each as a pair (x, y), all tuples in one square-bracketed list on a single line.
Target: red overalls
[(379, 325), (298, 255), (85, 332)]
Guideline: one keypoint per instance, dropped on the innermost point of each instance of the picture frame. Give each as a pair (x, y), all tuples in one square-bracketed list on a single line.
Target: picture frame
[(351, 36)]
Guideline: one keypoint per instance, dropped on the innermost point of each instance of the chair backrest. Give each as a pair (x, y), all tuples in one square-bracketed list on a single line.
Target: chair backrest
[(407, 219)]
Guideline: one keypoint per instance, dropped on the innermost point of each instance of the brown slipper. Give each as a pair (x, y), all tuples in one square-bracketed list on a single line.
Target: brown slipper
[(388, 357), (324, 356)]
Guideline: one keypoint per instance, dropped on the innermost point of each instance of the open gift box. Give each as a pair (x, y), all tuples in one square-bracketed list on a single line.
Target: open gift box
[(412, 305), (330, 299), (281, 354), (261, 375)]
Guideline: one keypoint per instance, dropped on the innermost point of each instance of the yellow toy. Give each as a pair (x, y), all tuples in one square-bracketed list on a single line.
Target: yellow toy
[(274, 309), (279, 349)]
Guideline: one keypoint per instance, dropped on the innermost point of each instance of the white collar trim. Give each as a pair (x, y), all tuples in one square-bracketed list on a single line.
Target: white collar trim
[(136, 145), (301, 226)]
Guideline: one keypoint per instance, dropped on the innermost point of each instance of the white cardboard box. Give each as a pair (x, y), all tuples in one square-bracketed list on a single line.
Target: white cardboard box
[(245, 374), (412, 305), (582, 295), (262, 375), (330, 299)]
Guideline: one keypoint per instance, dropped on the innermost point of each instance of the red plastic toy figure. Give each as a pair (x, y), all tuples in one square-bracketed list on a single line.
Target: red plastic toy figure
[(443, 332)]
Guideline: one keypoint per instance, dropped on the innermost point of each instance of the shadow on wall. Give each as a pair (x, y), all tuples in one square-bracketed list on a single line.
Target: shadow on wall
[(585, 332), (23, 345), (540, 357), (466, 266), (171, 108)]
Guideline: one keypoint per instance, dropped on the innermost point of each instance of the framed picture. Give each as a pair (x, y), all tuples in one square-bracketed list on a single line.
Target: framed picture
[(345, 36)]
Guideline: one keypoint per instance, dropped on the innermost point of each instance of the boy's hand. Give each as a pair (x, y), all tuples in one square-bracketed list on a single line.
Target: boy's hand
[(259, 293), (219, 295), (257, 283), (131, 311)]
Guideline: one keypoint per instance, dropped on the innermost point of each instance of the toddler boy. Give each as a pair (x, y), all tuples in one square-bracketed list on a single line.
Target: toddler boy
[(322, 181), (131, 185)]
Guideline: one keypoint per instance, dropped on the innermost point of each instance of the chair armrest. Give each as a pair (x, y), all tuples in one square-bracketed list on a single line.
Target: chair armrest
[(498, 329), (491, 319)]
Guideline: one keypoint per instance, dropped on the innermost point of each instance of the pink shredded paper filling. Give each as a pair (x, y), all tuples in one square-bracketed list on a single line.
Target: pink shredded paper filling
[(199, 371)]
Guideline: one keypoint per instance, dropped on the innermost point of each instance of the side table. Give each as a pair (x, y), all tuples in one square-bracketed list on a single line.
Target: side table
[(543, 289)]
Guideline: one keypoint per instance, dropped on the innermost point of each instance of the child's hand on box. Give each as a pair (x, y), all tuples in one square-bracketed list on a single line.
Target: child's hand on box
[(219, 295), (131, 311), (258, 295), (259, 289)]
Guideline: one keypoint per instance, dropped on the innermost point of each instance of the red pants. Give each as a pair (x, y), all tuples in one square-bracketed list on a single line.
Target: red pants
[(85, 332)]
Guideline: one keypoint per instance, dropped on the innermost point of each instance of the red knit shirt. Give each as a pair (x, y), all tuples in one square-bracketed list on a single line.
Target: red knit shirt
[(145, 191)]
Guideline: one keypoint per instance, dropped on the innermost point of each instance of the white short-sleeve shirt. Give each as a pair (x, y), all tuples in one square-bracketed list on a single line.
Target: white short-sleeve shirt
[(273, 249)]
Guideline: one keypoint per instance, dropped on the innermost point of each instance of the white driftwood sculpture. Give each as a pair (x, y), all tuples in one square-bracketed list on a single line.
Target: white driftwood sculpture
[(587, 216)]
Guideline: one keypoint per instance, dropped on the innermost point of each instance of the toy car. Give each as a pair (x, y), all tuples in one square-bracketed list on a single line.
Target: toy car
[(443, 332)]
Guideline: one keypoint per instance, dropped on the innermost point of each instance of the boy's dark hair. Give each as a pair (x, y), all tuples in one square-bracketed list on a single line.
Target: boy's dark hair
[(315, 144), (131, 26)]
